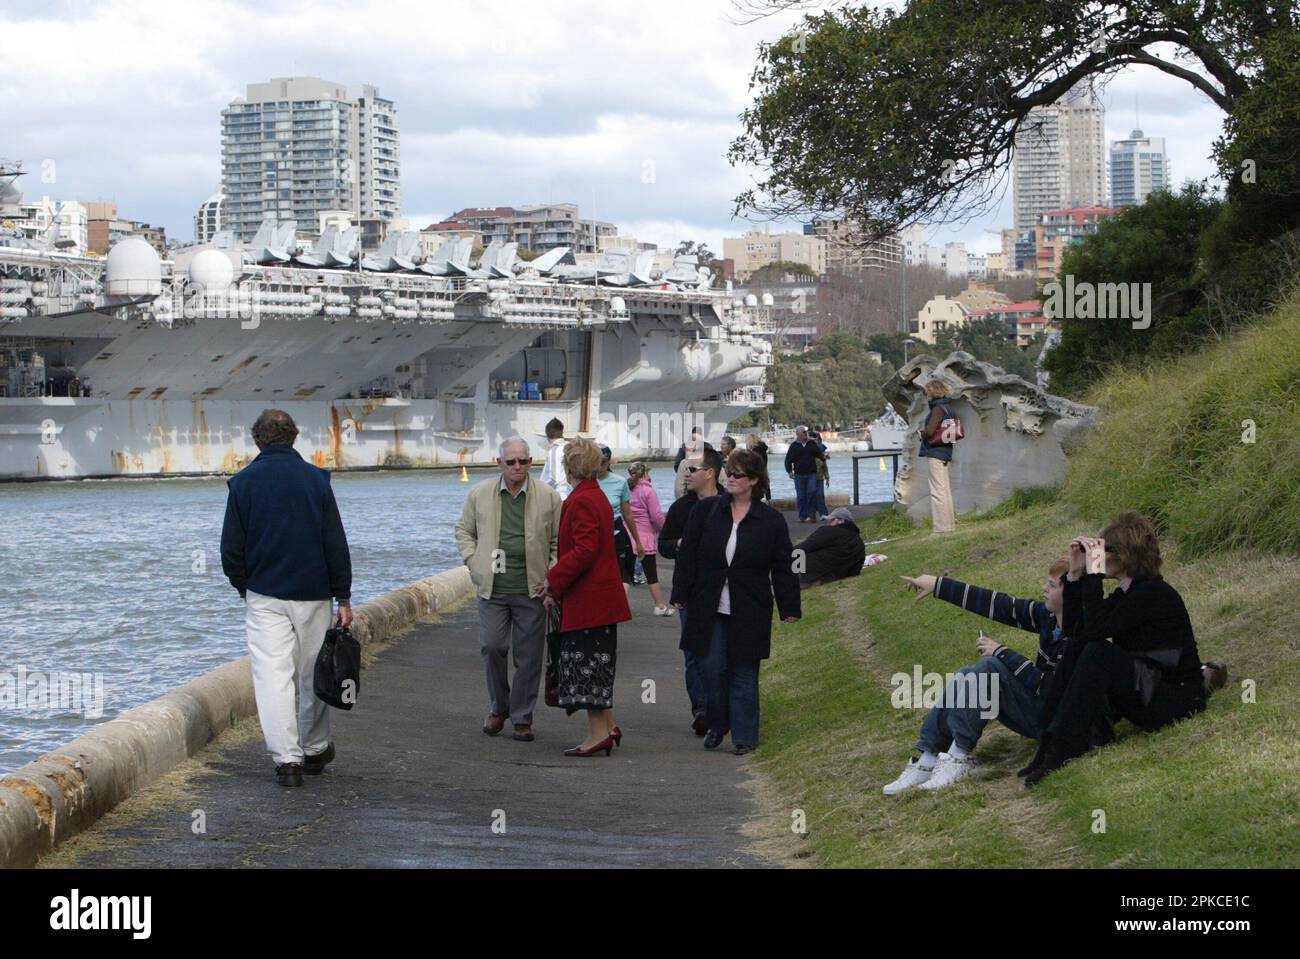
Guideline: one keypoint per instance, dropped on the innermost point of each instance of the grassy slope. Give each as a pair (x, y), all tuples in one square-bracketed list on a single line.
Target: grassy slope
[(1220, 790)]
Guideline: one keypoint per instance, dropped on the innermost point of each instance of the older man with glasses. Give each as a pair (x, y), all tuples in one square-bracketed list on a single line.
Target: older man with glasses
[(507, 537)]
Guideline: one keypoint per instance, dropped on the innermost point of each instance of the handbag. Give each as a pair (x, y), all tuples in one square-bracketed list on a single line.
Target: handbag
[(337, 677), (553, 656)]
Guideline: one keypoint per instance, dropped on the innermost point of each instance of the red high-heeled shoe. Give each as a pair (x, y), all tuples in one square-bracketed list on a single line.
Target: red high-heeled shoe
[(606, 744), (617, 736)]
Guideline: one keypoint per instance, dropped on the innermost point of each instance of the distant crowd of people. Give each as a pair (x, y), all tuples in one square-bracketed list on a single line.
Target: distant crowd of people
[(553, 561)]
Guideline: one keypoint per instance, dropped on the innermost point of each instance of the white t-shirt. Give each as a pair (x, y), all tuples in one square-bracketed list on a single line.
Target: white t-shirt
[(553, 469), (724, 601)]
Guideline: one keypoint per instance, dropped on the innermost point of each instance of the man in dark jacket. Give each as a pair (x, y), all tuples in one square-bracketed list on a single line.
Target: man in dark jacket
[(284, 549), (834, 551), (801, 466), (702, 480)]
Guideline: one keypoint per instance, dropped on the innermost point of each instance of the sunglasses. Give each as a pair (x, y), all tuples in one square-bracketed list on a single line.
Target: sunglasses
[(694, 469), (524, 460), (739, 475)]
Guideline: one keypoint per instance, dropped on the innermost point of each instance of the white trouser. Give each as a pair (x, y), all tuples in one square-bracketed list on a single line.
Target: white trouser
[(941, 505), (284, 638)]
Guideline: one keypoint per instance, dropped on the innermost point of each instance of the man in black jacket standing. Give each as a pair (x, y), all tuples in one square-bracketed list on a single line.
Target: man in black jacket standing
[(284, 549), (703, 479), (801, 466)]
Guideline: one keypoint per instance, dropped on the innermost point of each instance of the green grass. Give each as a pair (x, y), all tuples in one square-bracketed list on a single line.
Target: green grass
[(1219, 790)]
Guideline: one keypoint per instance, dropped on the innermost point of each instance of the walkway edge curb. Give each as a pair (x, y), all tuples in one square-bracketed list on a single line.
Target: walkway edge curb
[(67, 790)]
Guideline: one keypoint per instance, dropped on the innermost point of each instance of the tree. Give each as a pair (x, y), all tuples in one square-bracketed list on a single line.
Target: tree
[(1152, 243), (701, 251), (987, 338), (778, 270), (894, 117)]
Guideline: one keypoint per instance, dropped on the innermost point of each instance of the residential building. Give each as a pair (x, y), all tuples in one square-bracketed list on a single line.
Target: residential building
[(846, 249), (1023, 320), (1138, 167), (1059, 157), (757, 248), (295, 147), (537, 228), (207, 219), (1057, 230)]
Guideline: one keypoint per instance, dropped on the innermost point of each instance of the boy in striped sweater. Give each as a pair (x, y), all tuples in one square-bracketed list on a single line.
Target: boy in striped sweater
[(952, 729)]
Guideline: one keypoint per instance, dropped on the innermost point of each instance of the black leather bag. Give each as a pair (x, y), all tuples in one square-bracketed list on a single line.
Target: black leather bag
[(553, 656), (337, 679)]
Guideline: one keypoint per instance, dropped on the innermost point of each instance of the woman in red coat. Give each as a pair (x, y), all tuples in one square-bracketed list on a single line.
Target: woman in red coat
[(588, 584)]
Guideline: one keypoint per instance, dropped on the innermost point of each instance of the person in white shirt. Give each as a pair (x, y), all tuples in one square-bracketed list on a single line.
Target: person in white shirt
[(553, 469)]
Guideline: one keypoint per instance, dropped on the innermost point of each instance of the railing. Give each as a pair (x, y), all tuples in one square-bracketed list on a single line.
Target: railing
[(874, 454)]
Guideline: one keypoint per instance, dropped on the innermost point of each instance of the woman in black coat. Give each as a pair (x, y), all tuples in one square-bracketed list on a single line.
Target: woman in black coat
[(734, 554), (1131, 654)]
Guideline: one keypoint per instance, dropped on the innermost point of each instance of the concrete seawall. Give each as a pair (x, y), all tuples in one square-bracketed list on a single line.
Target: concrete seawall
[(65, 791)]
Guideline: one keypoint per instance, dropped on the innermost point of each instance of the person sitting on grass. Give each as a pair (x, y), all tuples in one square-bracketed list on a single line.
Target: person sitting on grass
[(834, 551), (952, 729), (1134, 654)]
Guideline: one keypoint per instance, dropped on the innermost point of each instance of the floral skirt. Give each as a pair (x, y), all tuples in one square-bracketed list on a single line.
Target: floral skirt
[(587, 658)]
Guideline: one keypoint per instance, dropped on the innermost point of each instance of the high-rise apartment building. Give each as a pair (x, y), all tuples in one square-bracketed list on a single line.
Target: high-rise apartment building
[(296, 146), (1138, 166), (1059, 160)]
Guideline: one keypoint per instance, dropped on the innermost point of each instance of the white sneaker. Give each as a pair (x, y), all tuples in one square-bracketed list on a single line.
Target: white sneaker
[(914, 775), (949, 770), (663, 610)]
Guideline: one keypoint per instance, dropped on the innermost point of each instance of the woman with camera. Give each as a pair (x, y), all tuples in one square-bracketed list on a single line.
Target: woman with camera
[(1150, 672)]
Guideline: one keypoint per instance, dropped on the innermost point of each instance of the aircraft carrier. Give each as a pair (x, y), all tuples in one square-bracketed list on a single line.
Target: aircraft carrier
[(135, 365)]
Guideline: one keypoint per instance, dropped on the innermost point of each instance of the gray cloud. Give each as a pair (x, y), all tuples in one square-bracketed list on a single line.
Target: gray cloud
[(626, 110)]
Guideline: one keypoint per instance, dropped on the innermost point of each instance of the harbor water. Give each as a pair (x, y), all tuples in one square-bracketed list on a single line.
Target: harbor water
[(113, 588)]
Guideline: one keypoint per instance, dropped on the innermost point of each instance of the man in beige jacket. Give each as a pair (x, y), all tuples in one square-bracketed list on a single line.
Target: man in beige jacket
[(507, 537)]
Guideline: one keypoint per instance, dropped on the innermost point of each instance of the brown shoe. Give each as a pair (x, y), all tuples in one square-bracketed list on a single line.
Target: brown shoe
[(494, 724), (524, 733)]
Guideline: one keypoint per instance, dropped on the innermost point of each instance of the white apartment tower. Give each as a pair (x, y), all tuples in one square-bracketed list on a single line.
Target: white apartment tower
[(1138, 166), (296, 146), (207, 220), (1059, 161)]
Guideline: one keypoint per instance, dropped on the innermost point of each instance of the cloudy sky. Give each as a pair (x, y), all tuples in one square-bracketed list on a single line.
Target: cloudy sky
[(626, 109)]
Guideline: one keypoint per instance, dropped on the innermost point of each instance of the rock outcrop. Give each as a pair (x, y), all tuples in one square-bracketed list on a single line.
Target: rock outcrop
[(1016, 435)]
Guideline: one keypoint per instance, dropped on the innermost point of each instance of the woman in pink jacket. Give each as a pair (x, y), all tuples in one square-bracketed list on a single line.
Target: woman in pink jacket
[(649, 520)]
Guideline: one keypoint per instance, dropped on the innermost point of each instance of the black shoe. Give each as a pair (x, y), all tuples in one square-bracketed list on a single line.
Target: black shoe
[(1057, 755), (714, 739), (742, 750), (1038, 758), (289, 774), (700, 724), (315, 765)]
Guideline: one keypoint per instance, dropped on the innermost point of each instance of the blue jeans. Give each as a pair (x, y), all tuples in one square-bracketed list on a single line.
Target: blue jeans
[(695, 687), (1019, 709), (732, 688), (819, 498), (805, 488)]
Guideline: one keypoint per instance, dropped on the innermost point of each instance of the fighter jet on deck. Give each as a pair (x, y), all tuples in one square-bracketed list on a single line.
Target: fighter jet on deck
[(273, 243), (334, 249), (446, 259), (397, 252)]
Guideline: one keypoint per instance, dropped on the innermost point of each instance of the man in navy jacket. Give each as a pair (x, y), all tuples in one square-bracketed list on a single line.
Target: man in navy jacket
[(284, 549)]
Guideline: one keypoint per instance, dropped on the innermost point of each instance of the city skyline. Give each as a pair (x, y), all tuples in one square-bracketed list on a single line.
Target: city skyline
[(565, 104)]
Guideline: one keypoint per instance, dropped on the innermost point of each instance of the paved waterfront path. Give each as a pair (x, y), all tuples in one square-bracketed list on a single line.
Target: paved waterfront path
[(417, 783)]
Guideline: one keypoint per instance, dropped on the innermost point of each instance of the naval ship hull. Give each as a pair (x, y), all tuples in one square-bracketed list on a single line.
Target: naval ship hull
[(379, 371)]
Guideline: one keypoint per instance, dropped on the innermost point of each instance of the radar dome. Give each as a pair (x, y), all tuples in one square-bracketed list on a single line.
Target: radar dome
[(133, 268), (212, 270), (751, 300)]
